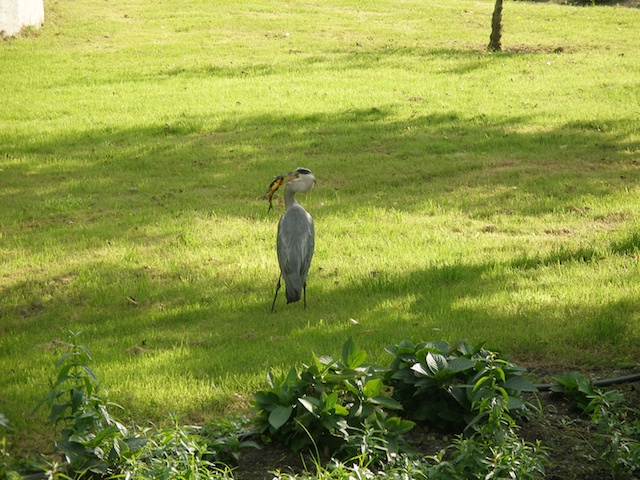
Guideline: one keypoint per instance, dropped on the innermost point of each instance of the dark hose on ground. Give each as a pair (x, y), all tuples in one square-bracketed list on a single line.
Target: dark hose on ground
[(605, 382)]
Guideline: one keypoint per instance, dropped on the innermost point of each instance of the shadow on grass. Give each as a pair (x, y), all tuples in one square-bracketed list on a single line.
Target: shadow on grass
[(199, 166), (186, 163), (222, 337), (363, 57), (490, 302), (451, 300)]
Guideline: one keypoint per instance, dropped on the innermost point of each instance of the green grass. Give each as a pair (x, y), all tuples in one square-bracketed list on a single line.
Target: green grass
[(461, 194)]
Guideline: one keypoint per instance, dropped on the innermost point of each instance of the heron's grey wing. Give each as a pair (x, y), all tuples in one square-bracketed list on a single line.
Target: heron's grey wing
[(295, 241), (295, 245), (310, 246)]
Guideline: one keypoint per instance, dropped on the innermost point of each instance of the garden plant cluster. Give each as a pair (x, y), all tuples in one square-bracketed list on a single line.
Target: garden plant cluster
[(350, 415)]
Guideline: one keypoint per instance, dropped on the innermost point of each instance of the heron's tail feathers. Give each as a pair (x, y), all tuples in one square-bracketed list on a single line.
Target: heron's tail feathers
[(293, 294), (295, 284)]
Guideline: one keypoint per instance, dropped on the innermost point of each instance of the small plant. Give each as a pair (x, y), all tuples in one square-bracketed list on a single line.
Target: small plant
[(618, 427), (506, 455), (176, 453), (90, 435), (618, 438), (328, 402), (494, 450), (378, 440), (439, 383), (577, 387), (228, 437), (336, 470)]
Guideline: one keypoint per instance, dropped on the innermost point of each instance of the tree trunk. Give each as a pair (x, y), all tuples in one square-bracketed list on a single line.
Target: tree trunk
[(496, 28)]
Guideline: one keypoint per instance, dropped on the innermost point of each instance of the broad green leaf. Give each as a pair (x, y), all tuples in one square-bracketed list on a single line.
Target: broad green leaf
[(442, 346), (347, 349), (459, 393), (519, 383), (407, 357), (266, 400), (77, 396), (352, 389), (515, 403), (307, 404), (391, 349), (356, 359), (82, 438), (330, 400), (399, 426), (292, 377), (585, 386), (351, 356), (337, 378), (436, 362), (406, 375), (373, 388), (340, 410), (419, 368), (386, 402), (460, 364), (136, 443), (403, 348), (570, 380), (280, 415)]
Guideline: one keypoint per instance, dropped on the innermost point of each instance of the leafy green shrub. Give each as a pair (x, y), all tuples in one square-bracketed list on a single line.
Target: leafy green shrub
[(227, 438), (344, 405), (378, 440), (91, 437), (96, 445), (494, 450), (329, 404), (440, 383)]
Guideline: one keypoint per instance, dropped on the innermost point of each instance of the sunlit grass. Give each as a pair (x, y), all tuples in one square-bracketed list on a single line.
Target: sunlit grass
[(492, 197)]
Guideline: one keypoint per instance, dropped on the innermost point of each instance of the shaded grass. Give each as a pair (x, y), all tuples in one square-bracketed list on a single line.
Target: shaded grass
[(492, 197)]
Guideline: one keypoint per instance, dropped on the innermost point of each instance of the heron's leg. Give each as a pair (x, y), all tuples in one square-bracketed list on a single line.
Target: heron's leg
[(304, 292), (276, 295)]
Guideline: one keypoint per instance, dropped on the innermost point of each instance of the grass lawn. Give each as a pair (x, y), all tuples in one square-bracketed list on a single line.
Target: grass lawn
[(461, 194)]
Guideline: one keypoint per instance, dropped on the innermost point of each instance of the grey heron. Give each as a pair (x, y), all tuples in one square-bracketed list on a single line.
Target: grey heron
[(296, 236)]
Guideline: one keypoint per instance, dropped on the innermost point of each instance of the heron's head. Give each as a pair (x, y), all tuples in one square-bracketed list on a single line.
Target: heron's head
[(300, 180)]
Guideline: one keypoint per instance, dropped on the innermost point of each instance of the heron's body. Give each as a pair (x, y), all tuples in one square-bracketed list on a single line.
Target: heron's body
[(296, 239), (295, 249)]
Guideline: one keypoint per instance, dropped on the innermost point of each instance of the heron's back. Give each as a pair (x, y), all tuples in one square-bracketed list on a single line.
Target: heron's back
[(295, 249)]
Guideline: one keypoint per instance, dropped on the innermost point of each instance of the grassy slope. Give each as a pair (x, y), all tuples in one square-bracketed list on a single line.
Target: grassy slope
[(461, 194)]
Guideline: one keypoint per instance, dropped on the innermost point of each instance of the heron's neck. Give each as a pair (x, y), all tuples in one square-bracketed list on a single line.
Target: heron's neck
[(289, 198)]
